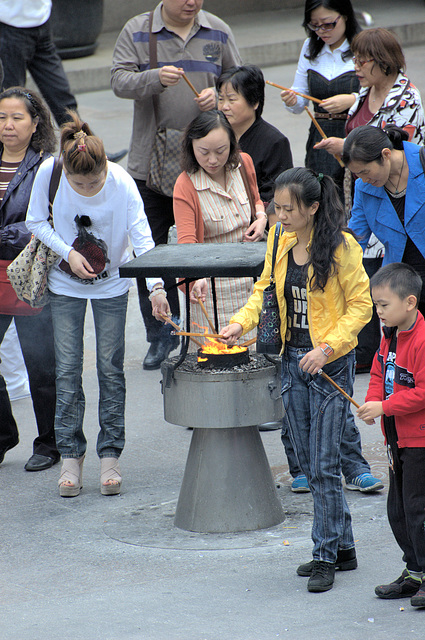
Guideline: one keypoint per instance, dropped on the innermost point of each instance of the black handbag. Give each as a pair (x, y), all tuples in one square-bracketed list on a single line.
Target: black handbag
[(268, 333)]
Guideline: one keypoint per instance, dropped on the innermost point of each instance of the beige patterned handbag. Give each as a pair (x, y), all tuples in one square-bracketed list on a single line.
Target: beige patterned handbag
[(28, 272)]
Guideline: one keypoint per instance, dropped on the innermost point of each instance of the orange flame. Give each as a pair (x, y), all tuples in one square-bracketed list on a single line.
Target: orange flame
[(218, 348)]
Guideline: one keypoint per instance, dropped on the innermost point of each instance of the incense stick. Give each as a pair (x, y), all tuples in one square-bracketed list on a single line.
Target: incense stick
[(201, 304), (248, 343), (190, 85), (322, 133), (197, 334), (303, 95), (176, 326), (325, 375)]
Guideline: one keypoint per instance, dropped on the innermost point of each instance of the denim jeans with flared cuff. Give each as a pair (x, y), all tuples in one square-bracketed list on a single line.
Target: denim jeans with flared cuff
[(109, 316)]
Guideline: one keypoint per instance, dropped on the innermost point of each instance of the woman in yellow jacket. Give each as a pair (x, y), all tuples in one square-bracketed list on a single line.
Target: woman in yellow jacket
[(324, 301)]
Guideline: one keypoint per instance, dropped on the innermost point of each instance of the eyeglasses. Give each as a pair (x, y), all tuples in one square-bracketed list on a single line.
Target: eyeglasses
[(361, 63), (326, 26)]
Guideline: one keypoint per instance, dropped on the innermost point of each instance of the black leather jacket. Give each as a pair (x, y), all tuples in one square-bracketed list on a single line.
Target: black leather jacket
[(13, 233)]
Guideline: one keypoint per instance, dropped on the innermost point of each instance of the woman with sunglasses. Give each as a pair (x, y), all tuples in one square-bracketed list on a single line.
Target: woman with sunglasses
[(387, 96), (326, 71)]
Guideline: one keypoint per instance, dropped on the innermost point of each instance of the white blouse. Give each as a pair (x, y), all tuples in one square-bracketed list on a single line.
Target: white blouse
[(330, 64)]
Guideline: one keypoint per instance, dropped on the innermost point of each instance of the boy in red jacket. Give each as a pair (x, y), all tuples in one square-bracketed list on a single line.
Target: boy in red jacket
[(397, 393)]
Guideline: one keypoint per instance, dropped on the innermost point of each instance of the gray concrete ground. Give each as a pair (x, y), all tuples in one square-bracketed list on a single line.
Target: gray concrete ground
[(116, 568)]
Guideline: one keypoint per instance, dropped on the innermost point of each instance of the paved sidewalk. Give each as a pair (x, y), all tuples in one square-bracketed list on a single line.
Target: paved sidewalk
[(115, 568)]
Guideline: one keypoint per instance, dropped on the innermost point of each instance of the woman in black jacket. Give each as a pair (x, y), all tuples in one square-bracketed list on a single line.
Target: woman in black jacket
[(26, 140)]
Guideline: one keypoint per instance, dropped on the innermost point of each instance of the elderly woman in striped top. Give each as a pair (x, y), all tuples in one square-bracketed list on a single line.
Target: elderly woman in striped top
[(216, 199)]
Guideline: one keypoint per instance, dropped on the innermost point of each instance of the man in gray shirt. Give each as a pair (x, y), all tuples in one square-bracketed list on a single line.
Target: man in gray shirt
[(189, 41)]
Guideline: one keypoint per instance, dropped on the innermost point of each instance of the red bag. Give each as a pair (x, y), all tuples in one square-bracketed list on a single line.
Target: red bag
[(10, 305)]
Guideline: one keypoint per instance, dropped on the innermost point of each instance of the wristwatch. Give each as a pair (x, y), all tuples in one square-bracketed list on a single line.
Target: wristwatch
[(326, 349)]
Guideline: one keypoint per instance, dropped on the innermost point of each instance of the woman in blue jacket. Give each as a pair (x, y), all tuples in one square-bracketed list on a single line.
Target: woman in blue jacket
[(389, 197), (26, 139)]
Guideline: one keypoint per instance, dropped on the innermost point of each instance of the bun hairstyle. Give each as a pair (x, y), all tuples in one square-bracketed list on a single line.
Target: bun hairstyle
[(306, 187), (366, 143), (83, 152), (43, 138)]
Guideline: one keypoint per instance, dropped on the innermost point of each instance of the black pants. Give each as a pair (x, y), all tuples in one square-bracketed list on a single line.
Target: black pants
[(35, 335), (33, 49), (406, 502), (159, 211)]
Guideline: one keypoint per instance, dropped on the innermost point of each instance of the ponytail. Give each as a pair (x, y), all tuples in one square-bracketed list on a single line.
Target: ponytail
[(83, 152), (307, 187)]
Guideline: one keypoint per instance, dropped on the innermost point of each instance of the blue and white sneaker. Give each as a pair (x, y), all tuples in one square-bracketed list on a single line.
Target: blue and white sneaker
[(300, 485), (365, 483)]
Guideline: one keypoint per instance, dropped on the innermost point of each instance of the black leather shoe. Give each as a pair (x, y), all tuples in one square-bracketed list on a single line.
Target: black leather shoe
[(159, 350), (38, 462), (345, 561), (5, 450), (116, 157)]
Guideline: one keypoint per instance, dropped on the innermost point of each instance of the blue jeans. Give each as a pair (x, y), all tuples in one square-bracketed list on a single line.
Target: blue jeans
[(352, 461), (68, 316), (315, 418)]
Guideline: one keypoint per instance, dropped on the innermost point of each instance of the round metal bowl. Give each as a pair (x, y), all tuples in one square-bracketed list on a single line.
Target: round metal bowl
[(222, 360)]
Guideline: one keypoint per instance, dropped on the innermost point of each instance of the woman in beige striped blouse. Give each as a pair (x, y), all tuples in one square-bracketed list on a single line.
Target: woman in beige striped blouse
[(211, 204)]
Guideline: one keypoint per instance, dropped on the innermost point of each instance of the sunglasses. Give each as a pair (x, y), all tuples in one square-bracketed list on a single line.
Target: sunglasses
[(360, 63), (326, 26)]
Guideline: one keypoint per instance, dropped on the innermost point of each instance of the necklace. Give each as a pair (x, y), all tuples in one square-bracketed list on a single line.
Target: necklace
[(399, 178)]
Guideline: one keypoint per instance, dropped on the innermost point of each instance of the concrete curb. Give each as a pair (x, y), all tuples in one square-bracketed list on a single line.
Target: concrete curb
[(93, 73)]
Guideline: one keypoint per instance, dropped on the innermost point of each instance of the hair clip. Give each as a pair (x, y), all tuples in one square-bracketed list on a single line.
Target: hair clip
[(81, 147), (319, 177)]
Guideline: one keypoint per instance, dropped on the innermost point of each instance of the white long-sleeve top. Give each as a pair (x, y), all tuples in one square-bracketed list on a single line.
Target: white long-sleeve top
[(117, 215), (330, 64)]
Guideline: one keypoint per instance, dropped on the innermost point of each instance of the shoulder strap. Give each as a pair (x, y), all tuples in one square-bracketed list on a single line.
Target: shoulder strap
[(54, 182), (244, 175), (422, 157), (153, 61), (275, 245)]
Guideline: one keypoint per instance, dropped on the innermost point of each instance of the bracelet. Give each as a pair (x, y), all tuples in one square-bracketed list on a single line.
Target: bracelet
[(261, 213), (156, 291)]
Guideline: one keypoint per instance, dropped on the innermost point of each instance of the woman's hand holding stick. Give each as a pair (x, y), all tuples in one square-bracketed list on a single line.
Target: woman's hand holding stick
[(322, 133)]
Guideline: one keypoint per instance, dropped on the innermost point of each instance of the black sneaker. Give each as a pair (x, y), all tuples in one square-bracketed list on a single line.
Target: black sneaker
[(404, 587), (345, 561), (418, 600), (322, 576)]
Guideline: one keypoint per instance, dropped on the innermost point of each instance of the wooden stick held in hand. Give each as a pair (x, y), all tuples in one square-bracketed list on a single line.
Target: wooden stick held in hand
[(190, 85), (322, 133), (248, 343), (303, 95), (176, 326), (325, 375), (201, 304), (197, 334)]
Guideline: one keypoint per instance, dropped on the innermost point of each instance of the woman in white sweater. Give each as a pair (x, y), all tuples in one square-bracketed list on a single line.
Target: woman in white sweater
[(97, 209)]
